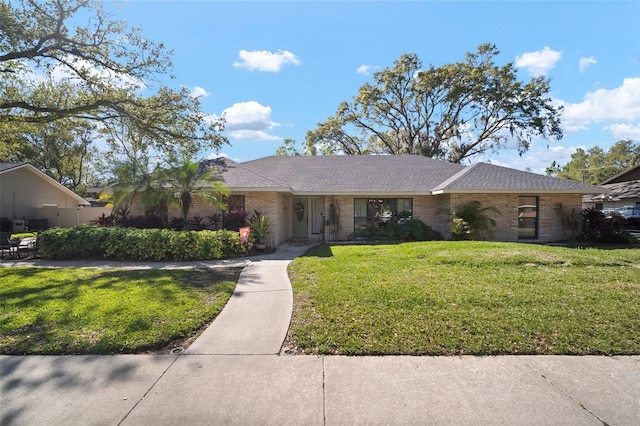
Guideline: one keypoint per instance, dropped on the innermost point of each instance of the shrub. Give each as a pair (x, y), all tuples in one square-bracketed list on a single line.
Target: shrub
[(120, 243), (80, 242), (197, 223), (411, 230), (176, 223), (596, 227), (214, 221), (104, 220), (235, 220)]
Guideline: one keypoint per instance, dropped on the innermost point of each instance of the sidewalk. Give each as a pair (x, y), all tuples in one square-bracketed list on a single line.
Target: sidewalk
[(232, 374)]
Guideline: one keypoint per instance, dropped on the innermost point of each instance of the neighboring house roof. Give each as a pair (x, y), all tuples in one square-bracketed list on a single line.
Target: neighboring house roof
[(10, 167), (618, 191), (380, 174), (623, 186), (632, 173)]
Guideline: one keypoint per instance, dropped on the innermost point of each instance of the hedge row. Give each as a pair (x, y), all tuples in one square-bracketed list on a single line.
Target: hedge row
[(88, 242)]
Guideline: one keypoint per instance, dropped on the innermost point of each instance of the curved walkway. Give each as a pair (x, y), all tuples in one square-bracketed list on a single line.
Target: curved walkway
[(256, 318)]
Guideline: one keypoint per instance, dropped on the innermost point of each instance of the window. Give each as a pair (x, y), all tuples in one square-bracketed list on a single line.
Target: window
[(235, 203), (527, 218), (377, 212)]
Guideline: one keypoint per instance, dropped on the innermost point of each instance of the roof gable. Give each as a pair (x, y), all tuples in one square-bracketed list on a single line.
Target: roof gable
[(483, 177), (632, 173), (6, 168)]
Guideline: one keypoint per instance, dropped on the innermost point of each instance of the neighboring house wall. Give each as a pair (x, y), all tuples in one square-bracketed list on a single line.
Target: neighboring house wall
[(23, 192)]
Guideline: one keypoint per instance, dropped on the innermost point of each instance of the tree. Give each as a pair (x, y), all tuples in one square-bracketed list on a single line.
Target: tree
[(61, 149), (186, 179), (87, 60), (594, 165), (95, 72), (288, 148), (452, 112)]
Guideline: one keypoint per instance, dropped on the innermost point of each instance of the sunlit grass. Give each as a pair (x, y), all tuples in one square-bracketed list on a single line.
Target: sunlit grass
[(92, 311), (444, 298)]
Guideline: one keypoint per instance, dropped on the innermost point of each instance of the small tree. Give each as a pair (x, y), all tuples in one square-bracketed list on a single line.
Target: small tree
[(186, 179)]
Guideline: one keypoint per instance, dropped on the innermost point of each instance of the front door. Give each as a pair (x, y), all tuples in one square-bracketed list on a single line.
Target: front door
[(300, 218)]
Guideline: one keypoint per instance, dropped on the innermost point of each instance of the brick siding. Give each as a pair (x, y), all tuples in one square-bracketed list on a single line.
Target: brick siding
[(430, 209)]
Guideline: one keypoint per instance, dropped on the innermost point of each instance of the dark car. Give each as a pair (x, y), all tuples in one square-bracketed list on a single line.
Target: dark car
[(631, 216)]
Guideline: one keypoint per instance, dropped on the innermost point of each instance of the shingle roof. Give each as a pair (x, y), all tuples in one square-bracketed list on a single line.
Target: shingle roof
[(482, 177), (349, 174), (392, 174), (237, 176), (7, 166), (618, 191)]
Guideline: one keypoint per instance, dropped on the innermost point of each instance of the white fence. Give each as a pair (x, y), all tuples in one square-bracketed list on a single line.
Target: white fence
[(67, 217)]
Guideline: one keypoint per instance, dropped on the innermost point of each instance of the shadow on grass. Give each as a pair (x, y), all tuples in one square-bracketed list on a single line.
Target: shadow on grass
[(107, 311), (323, 250)]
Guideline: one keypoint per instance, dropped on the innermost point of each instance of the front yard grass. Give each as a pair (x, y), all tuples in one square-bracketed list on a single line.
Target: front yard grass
[(454, 298), (94, 311)]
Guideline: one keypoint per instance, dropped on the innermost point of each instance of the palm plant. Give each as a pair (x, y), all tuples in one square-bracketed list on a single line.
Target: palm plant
[(137, 176), (470, 220), (187, 180)]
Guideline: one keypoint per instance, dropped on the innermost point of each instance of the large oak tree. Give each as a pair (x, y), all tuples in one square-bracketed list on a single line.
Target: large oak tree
[(64, 60), (452, 112)]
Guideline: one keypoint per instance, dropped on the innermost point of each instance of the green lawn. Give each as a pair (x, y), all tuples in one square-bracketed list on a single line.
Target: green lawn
[(91, 311), (446, 298)]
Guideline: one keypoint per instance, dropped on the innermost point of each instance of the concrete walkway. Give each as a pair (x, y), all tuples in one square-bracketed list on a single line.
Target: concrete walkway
[(256, 318), (232, 374)]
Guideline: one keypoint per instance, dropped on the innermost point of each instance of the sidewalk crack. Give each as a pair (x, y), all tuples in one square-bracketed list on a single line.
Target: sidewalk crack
[(558, 387), (153, 385), (324, 394)]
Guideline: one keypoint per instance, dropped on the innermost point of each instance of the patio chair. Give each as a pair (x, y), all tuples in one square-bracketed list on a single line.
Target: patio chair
[(27, 245)]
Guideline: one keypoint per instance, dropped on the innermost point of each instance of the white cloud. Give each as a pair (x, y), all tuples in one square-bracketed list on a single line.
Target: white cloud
[(253, 135), (586, 62), (264, 60), (625, 131), (536, 159), (538, 63), (366, 69), (621, 104), (249, 120), (199, 92)]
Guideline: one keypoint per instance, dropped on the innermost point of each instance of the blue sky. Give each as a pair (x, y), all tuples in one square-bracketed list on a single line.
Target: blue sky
[(276, 69)]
